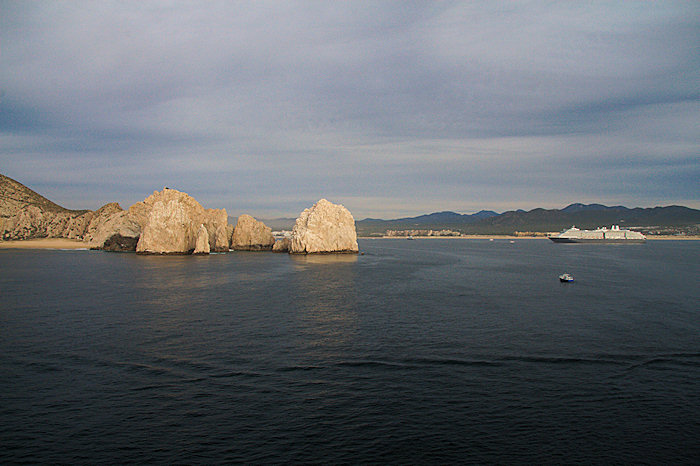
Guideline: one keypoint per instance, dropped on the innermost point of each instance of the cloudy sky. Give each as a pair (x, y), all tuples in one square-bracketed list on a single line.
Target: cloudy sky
[(391, 108)]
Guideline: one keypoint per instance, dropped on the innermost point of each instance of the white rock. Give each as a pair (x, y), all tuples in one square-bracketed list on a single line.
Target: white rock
[(171, 221), (282, 245), (251, 235), (324, 228), (221, 238), (202, 243)]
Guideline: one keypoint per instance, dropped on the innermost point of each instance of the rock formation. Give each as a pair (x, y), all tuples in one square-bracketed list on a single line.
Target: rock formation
[(251, 235), (282, 245), (113, 229), (167, 222), (119, 243), (201, 245), (221, 238), (324, 228), (26, 214), (172, 222)]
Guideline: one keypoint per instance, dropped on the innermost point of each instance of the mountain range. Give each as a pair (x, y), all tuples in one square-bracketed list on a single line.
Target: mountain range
[(538, 220)]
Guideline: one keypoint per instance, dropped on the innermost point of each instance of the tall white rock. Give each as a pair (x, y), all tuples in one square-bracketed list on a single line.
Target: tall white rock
[(324, 228), (171, 221), (202, 243)]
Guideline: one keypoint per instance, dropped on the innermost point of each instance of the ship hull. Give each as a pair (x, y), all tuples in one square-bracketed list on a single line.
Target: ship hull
[(607, 241)]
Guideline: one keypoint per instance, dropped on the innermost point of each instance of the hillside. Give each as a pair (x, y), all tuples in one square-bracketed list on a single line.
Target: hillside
[(539, 220), (435, 221), (26, 214), (14, 197)]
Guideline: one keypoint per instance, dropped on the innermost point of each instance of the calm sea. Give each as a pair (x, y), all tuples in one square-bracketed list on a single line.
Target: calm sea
[(425, 351)]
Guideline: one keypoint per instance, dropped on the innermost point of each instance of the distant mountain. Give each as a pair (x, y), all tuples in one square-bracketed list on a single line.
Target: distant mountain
[(445, 220), (538, 220), (578, 207), (589, 216)]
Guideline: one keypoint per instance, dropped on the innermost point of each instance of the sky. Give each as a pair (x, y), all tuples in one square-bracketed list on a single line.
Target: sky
[(391, 108)]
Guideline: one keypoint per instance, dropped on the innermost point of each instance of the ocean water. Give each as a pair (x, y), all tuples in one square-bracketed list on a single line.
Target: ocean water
[(425, 351)]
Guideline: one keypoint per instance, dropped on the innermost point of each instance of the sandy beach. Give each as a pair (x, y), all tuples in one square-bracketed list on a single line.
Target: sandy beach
[(44, 243)]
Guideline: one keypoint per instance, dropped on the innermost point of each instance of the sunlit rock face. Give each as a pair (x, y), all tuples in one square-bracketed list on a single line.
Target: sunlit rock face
[(221, 237), (113, 229), (324, 228), (282, 245), (251, 235), (171, 221), (164, 223), (201, 245), (26, 214)]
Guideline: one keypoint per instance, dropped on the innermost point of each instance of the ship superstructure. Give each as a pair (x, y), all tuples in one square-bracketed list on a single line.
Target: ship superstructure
[(599, 235)]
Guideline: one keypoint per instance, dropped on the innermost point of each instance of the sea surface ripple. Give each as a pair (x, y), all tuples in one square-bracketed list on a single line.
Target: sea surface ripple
[(425, 351)]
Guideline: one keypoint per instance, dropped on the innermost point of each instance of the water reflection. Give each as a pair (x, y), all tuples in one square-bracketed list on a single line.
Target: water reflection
[(326, 290), (326, 259), (175, 293)]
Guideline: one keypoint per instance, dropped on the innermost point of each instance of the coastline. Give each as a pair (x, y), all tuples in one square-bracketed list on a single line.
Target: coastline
[(511, 237), (671, 237), (44, 243), (455, 237), (64, 243)]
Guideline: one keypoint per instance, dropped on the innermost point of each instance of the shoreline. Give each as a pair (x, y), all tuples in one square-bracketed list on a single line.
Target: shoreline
[(455, 237), (511, 237), (73, 244), (45, 243)]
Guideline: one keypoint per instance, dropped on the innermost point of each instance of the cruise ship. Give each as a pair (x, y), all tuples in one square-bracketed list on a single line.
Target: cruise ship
[(599, 235)]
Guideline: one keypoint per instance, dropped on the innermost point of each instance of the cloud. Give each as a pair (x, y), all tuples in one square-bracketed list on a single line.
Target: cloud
[(271, 105)]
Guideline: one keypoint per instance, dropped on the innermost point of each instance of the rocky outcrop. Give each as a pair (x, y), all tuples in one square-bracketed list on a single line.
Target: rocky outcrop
[(172, 222), (251, 235), (114, 225), (25, 214), (119, 243), (166, 222), (282, 245), (201, 245), (324, 228), (216, 220), (221, 238)]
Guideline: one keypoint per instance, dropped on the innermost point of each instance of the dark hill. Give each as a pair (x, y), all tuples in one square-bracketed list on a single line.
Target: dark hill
[(445, 220), (539, 220), (588, 216)]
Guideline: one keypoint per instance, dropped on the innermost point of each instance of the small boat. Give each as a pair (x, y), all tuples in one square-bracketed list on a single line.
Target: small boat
[(565, 277), (410, 237)]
